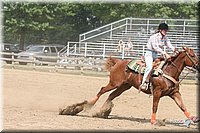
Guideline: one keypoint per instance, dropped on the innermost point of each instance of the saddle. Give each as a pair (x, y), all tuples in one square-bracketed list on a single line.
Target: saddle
[(139, 66)]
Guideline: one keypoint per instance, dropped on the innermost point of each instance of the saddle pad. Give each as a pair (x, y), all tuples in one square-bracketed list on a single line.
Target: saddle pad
[(135, 66)]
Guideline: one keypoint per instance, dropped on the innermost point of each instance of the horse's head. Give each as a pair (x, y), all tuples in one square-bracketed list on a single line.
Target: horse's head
[(191, 59)]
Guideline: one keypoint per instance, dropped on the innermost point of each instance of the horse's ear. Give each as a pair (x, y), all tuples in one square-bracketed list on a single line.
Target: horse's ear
[(185, 48)]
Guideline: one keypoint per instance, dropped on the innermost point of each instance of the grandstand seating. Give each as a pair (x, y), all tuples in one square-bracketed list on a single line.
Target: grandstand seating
[(103, 41)]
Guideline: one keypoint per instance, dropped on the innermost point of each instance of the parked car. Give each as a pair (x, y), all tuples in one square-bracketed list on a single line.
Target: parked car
[(47, 53), (8, 48)]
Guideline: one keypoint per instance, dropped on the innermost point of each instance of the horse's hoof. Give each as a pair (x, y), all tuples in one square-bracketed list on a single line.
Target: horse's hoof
[(153, 122), (100, 115), (73, 109), (195, 119)]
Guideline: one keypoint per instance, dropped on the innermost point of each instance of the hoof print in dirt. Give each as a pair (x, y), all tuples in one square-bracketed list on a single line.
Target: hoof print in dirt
[(161, 122), (73, 109)]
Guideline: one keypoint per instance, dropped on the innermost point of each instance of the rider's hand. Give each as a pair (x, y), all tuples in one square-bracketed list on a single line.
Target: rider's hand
[(167, 56), (176, 51)]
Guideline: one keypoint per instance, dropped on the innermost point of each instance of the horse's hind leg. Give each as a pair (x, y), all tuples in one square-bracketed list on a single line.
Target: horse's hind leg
[(107, 106), (103, 90), (76, 108)]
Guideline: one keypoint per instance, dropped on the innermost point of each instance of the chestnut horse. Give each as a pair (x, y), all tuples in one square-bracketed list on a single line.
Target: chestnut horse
[(168, 85)]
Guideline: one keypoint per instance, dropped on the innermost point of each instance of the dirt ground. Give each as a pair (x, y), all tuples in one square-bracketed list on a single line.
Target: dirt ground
[(31, 101)]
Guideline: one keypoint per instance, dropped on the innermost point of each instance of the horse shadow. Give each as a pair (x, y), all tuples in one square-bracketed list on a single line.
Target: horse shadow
[(141, 120)]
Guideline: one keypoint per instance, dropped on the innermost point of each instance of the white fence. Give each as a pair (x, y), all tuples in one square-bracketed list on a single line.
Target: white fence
[(66, 63), (103, 50), (55, 61)]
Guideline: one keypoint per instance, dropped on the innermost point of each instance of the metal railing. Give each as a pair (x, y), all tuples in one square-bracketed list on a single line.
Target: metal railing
[(102, 42), (104, 50), (143, 25)]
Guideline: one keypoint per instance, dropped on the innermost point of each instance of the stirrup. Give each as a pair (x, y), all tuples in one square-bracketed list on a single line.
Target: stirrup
[(143, 86)]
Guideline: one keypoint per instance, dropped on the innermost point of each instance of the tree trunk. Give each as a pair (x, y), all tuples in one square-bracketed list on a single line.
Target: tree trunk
[(21, 39)]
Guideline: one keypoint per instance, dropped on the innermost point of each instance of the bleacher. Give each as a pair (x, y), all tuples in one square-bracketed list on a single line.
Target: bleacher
[(102, 42)]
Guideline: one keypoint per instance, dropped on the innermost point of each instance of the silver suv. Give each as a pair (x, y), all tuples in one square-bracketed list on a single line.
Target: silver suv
[(43, 53)]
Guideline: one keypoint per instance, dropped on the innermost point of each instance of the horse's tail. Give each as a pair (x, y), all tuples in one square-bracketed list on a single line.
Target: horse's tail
[(110, 62)]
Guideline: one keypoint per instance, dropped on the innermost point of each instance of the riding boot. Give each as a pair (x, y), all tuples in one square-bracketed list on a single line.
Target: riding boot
[(145, 85), (148, 76)]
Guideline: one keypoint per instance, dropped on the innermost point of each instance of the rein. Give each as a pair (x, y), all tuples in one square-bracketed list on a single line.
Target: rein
[(186, 74), (174, 80)]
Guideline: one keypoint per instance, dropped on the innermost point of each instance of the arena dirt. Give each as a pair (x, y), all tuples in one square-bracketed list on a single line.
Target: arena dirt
[(31, 101)]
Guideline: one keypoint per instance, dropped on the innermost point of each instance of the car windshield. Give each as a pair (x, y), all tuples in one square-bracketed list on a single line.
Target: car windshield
[(35, 49), (11, 47)]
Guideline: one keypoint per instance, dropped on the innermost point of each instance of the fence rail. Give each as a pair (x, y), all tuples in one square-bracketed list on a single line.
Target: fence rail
[(145, 25), (104, 50), (102, 42), (75, 63)]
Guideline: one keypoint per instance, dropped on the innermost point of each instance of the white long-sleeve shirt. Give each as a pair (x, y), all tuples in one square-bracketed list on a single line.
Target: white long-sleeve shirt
[(157, 42)]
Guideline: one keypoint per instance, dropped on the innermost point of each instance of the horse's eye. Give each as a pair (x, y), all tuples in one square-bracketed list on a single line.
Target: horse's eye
[(191, 53)]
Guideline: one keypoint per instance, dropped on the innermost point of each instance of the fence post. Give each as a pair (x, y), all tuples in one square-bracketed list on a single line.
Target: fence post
[(126, 28), (104, 50), (85, 49), (12, 59), (123, 51), (57, 63), (68, 49), (131, 23), (34, 62), (143, 50), (148, 26), (75, 48)]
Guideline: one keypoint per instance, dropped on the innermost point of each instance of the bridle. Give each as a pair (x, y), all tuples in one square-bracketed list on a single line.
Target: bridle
[(193, 62), (194, 66), (191, 59)]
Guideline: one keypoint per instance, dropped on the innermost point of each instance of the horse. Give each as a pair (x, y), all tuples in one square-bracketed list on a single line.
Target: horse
[(166, 84)]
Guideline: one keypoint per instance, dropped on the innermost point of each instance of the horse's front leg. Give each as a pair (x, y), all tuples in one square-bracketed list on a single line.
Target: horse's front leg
[(156, 99), (178, 99)]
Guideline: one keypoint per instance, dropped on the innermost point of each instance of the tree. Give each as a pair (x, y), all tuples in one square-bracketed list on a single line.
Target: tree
[(61, 22), (20, 18)]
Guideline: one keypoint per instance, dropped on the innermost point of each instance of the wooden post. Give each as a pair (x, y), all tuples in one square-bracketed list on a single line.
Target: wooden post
[(13, 58), (34, 62)]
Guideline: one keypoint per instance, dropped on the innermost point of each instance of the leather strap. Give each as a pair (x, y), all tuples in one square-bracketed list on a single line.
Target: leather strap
[(171, 78)]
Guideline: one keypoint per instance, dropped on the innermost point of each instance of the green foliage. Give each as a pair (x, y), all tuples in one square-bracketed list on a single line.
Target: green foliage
[(28, 22)]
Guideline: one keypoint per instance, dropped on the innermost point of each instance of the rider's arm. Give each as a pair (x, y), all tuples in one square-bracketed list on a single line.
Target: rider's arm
[(154, 43), (169, 45)]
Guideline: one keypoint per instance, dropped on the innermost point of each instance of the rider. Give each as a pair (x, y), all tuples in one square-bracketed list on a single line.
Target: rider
[(155, 44)]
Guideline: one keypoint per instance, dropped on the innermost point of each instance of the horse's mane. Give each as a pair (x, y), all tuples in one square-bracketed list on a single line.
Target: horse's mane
[(173, 57)]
